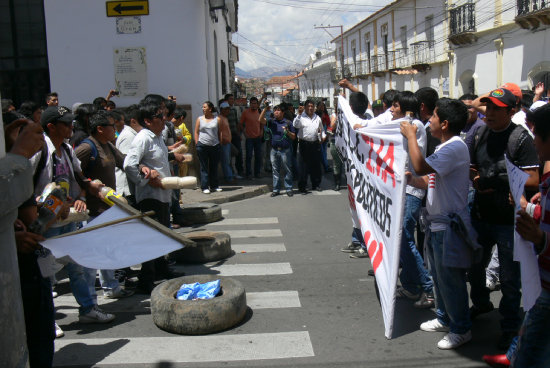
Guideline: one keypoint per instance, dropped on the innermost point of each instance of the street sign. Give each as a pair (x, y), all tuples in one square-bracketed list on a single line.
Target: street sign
[(127, 8)]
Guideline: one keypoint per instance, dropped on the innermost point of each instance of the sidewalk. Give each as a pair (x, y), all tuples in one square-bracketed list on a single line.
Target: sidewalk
[(239, 190)]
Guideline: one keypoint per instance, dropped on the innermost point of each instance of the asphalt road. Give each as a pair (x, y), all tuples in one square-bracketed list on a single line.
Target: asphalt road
[(310, 305)]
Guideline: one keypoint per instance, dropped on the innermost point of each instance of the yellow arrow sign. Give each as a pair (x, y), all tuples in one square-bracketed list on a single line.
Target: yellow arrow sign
[(126, 8)]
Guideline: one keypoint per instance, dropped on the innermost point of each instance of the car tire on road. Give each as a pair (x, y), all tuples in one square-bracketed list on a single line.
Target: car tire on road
[(210, 246), (198, 317), (199, 213)]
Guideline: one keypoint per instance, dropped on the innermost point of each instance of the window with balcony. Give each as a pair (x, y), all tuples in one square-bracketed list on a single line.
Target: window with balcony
[(463, 24), (533, 13)]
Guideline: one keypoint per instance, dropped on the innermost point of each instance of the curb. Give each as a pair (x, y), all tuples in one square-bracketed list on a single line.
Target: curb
[(195, 195)]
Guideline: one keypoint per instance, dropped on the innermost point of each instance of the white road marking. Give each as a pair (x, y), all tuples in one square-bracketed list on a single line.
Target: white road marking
[(225, 212), (246, 221), (261, 269), (257, 248), (182, 349), (326, 193), (262, 233), (273, 299)]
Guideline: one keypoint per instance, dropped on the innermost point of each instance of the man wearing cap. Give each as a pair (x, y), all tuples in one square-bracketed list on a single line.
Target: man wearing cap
[(377, 107), (98, 159), (57, 162), (492, 214)]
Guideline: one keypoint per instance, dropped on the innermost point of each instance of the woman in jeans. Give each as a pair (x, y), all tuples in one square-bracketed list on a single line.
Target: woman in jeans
[(207, 138)]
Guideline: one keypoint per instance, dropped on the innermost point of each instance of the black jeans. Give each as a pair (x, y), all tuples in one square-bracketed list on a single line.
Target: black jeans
[(236, 141), (156, 267), (36, 292), (310, 164)]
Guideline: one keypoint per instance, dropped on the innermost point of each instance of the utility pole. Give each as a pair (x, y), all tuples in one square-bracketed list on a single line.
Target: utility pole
[(341, 45)]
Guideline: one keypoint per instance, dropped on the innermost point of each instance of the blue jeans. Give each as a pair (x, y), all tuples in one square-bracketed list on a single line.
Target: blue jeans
[(226, 161), (281, 159), (76, 272), (510, 278), (414, 276), (357, 238), (533, 346), (451, 293), (209, 157), (253, 145)]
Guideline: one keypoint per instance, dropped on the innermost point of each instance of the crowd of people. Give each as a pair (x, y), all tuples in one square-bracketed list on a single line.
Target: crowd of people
[(455, 171), (458, 190)]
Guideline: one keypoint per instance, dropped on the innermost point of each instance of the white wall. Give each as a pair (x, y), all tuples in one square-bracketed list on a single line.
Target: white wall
[(177, 35)]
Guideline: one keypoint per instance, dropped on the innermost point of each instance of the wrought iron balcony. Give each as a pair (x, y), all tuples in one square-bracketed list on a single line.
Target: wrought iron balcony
[(378, 64), (533, 13), (423, 54), (398, 59), (463, 24)]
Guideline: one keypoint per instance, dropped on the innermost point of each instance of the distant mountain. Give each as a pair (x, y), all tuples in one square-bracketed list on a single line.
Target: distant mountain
[(268, 72)]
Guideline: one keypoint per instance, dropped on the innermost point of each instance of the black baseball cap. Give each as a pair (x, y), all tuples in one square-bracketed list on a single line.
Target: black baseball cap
[(54, 114)]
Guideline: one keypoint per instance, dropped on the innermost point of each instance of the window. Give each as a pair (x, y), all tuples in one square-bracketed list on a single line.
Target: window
[(354, 55), (224, 77), (403, 37), (429, 29)]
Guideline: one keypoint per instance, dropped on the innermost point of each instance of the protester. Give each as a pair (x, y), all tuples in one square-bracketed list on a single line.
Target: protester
[(207, 139), (98, 159), (233, 118), (310, 136), (31, 111), (81, 128), (225, 142), (321, 111), (492, 213), (448, 242), (52, 99), (253, 131), (281, 133), (145, 164)]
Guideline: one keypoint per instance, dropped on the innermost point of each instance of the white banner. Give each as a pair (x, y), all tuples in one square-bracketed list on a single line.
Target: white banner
[(374, 161), (116, 246), (524, 252)]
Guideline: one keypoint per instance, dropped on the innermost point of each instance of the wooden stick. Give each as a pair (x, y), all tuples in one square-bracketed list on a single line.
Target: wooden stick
[(182, 239), (105, 224)]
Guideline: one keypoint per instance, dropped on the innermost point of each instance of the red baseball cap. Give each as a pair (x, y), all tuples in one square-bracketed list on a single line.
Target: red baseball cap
[(514, 88), (501, 97)]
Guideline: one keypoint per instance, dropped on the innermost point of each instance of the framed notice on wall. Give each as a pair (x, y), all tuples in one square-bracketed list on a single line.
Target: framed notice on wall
[(131, 71)]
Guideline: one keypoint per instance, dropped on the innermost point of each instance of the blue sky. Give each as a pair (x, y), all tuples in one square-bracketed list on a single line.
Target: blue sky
[(276, 33)]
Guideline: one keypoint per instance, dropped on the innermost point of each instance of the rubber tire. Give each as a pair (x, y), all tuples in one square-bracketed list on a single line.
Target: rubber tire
[(211, 246), (199, 213), (198, 317)]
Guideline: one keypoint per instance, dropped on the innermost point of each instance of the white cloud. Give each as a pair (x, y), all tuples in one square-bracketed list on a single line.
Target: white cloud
[(285, 28)]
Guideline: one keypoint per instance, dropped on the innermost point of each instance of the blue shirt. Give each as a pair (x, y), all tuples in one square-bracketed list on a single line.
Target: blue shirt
[(279, 139)]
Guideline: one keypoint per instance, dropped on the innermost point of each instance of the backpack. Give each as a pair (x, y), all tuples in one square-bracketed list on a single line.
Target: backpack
[(516, 138), (93, 158), (42, 162)]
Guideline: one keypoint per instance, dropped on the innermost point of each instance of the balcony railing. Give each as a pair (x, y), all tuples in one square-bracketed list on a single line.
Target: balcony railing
[(398, 59), (531, 13), (378, 63), (531, 6), (463, 19), (423, 53)]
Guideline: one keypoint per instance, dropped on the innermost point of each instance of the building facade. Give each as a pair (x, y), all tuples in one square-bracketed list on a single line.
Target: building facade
[(180, 48), (454, 46)]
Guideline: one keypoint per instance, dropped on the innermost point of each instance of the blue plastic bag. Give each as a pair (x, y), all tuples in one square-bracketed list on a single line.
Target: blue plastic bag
[(208, 290)]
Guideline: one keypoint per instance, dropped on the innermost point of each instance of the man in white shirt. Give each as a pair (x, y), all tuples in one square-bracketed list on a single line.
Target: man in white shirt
[(309, 146)]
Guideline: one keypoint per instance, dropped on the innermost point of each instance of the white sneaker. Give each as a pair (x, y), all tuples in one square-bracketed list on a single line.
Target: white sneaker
[(452, 340), (117, 294), (96, 315), (434, 326), (58, 331), (54, 294), (206, 191), (218, 189)]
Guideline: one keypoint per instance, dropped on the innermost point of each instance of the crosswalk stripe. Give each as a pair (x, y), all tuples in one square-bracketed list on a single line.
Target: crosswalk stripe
[(246, 221), (326, 193), (261, 269), (182, 349), (262, 233), (255, 300), (225, 212), (273, 299), (257, 248)]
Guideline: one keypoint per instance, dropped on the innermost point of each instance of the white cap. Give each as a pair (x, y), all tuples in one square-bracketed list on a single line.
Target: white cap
[(537, 104)]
